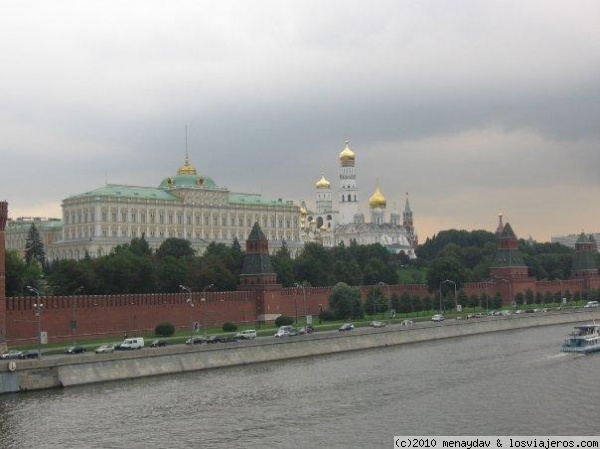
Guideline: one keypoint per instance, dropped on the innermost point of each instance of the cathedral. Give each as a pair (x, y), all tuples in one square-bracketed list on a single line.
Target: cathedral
[(332, 224)]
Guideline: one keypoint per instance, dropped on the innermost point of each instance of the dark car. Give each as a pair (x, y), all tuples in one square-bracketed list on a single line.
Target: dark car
[(195, 341), (308, 329), (29, 355), (216, 339), (346, 327), (75, 350), (158, 343)]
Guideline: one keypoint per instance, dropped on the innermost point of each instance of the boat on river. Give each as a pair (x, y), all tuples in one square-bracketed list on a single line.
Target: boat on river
[(585, 338)]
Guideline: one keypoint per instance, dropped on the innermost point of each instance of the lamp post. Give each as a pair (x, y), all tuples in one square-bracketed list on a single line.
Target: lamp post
[(487, 296), (296, 304), (190, 301), (203, 300), (74, 314), (38, 307), (389, 298), (455, 299), (304, 296)]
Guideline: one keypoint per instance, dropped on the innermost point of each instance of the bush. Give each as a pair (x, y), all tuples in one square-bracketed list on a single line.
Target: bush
[(327, 315), (229, 327), (284, 320), (164, 330)]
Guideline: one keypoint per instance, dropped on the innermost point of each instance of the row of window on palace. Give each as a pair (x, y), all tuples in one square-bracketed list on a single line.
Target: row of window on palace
[(170, 218), (84, 232)]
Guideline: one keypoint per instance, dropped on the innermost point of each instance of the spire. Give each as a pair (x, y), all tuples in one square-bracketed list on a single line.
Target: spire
[(187, 168), (500, 227), (407, 206)]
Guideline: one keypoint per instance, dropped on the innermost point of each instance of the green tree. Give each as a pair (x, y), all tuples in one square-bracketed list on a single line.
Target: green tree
[(34, 247), (175, 247), (344, 302)]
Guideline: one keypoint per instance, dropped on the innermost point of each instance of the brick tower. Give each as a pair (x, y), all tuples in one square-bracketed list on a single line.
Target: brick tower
[(584, 262), (3, 218), (257, 272), (508, 262)]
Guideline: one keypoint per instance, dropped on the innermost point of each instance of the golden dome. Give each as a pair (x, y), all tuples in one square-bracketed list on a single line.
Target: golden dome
[(347, 154), (186, 168), (377, 200), (323, 183)]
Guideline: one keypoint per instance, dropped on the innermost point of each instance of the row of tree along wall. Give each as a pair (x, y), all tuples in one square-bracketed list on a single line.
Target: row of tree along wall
[(66, 318)]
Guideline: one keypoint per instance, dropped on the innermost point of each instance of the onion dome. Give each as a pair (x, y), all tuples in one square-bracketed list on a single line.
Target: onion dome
[(323, 183), (347, 155), (187, 168), (377, 200)]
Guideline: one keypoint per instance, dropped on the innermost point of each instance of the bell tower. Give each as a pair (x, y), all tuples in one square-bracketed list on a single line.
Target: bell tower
[(3, 219)]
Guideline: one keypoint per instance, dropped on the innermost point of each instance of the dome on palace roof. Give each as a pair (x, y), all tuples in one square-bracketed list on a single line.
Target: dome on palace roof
[(377, 200), (188, 177)]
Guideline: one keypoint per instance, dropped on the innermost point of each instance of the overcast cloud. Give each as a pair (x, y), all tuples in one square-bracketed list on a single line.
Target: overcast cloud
[(474, 107)]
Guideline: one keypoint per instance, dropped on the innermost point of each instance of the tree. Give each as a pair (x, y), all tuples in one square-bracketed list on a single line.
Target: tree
[(445, 268), (175, 247), (34, 247), (344, 301)]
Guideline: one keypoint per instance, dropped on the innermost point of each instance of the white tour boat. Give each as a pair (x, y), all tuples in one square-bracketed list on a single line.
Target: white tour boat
[(584, 338)]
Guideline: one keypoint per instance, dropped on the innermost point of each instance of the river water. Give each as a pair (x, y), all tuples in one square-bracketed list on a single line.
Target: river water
[(506, 383)]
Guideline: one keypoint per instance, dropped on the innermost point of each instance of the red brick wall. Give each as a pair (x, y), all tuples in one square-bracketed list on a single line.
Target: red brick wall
[(113, 316)]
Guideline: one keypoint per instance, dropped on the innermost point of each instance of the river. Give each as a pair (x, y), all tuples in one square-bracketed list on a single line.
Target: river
[(505, 383)]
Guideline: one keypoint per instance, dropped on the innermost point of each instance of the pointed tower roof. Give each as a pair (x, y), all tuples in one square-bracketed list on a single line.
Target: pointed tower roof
[(500, 227), (407, 206)]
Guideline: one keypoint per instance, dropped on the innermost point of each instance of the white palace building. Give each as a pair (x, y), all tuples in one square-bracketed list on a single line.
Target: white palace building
[(186, 205)]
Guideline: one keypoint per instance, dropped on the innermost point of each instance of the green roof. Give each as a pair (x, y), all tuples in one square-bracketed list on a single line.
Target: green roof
[(241, 198), (190, 181), (114, 190)]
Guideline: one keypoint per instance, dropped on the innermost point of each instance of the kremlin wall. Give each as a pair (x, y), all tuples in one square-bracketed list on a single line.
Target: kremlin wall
[(258, 301)]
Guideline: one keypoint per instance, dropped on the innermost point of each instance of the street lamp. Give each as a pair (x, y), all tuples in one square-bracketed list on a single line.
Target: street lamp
[(38, 307), (203, 300), (74, 314), (190, 301), (304, 294), (389, 298)]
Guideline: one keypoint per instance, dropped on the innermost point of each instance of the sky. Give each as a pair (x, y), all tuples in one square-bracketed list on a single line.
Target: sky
[(474, 108)]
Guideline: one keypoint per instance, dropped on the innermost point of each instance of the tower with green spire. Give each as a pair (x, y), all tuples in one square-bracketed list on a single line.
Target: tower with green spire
[(407, 222), (257, 271), (508, 262), (584, 262)]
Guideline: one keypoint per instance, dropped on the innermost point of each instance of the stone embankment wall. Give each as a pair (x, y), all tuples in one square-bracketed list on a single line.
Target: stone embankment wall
[(92, 368)]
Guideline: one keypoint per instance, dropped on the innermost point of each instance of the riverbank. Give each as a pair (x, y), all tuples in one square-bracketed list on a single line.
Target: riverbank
[(65, 371)]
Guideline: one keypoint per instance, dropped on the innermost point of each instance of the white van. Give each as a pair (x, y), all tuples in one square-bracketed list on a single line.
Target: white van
[(132, 343)]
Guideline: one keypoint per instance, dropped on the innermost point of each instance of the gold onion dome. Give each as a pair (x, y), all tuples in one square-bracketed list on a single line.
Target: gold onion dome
[(187, 168), (323, 183), (347, 154), (377, 200)]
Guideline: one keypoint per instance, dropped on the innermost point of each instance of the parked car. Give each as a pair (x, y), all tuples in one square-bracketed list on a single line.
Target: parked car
[(592, 304), (308, 329), (105, 349), (29, 355), (407, 323), (245, 335), (75, 350), (378, 324), (438, 318), (346, 327), (158, 343), (216, 339), (132, 343), (195, 341), (11, 355), (286, 331)]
